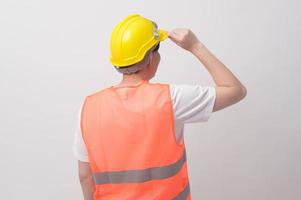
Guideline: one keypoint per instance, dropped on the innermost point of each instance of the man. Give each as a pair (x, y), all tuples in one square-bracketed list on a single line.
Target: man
[(130, 144)]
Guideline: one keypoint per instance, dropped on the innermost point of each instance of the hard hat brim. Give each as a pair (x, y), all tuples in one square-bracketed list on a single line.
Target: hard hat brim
[(163, 35)]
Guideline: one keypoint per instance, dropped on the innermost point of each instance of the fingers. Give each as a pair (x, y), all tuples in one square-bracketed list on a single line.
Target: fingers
[(183, 37), (171, 34)]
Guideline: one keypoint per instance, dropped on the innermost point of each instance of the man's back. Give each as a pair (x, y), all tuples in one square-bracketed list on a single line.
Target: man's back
[(191, 104)]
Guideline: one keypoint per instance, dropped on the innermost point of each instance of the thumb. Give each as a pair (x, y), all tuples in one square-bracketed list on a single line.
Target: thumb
[(171, 33)]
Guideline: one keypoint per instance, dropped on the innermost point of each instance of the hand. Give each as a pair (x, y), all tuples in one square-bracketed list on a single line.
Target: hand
[(184, 38)]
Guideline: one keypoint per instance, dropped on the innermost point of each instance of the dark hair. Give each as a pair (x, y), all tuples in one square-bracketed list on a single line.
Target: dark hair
[(157, 47)]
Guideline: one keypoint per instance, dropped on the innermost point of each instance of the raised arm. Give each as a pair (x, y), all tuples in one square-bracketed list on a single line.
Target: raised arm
[(229, 90)]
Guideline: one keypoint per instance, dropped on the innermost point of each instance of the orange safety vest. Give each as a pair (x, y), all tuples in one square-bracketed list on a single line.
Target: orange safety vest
[(129, 134)]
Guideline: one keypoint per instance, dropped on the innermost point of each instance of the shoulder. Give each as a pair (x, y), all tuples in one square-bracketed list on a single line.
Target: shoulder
[(178, 91), (191, 90), (192, 102), (96, 95)]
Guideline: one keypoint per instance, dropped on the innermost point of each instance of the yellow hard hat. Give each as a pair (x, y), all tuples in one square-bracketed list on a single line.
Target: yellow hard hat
[(132, 38)]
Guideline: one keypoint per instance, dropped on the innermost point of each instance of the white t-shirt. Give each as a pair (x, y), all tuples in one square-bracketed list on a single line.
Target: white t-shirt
[(191, 104)]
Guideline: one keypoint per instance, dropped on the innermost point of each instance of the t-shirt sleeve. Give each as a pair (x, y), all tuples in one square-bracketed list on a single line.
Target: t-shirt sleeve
[(79, 147), (192, 103)]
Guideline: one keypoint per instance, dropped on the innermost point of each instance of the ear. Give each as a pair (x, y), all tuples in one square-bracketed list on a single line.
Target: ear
[(150, 58)]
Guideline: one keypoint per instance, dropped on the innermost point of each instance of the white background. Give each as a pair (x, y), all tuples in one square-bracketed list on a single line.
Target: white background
[(53, 53)]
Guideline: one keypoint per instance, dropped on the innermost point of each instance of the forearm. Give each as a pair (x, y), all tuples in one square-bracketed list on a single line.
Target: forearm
[(88, 187), (221, 75)]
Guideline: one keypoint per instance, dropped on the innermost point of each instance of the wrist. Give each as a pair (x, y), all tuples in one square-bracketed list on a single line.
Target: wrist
[(197, 47)]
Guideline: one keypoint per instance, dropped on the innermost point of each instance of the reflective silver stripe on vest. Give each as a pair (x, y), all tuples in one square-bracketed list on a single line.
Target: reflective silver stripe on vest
[(134, 176), (184, 194)]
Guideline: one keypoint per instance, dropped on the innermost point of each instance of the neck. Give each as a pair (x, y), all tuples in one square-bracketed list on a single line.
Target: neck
[(133, 79)]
